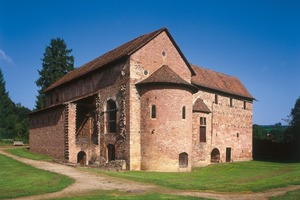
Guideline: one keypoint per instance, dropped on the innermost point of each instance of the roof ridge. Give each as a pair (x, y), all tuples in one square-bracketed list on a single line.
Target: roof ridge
[(121, 51), (210, 79)]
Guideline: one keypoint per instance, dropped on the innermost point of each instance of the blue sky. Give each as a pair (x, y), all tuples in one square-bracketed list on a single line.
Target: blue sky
[(257, 41)]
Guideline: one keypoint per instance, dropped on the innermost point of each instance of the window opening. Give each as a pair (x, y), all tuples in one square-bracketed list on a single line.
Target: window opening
[(231, 102), (111, 112), (245, 105), (216, 99), (202, 129), (183, 112), (153, 111)]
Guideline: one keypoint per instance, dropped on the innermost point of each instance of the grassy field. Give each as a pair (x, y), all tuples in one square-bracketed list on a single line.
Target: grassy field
[(25, 153), (116, 195), (294, 195), (18, 179), (252, 176)]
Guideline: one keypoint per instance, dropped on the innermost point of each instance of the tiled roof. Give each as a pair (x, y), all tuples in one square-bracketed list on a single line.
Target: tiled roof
[(209, 79), (200, 106), (165, 75), (120, 52)]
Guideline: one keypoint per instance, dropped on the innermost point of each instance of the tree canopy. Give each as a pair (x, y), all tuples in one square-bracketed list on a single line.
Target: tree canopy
[(13, 117), (56, 62)]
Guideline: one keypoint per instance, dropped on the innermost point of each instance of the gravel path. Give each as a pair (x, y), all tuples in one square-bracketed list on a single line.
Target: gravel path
[(86, 182)]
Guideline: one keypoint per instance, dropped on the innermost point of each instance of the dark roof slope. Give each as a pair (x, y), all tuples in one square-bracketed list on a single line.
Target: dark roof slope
[(200, 106), (165, 75), (120, 52), (209, 79)]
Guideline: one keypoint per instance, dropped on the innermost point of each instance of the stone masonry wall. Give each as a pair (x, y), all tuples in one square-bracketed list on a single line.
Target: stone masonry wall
[(165, 137), (201, 150), (160, 51), (231, 125), (46, 134)]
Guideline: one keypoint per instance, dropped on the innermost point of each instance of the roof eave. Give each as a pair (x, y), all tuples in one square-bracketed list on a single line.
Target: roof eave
[(224, 92), (192, 88)]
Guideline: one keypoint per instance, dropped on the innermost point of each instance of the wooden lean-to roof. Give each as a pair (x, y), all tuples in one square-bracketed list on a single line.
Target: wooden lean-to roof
[(114, 55), (211, 80)]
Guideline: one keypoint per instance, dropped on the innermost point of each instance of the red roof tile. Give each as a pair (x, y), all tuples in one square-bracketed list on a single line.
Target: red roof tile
[(165, 75), (120, 52), (200, 106), (209, 79)]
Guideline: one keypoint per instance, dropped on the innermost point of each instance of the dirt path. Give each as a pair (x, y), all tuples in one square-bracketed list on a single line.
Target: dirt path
[(86, 182)]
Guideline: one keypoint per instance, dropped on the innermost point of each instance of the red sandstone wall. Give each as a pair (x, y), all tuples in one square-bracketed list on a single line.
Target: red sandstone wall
[(168, 135), (201, 150), (151, 57), (231, 126), (160, 51), (46, 134)]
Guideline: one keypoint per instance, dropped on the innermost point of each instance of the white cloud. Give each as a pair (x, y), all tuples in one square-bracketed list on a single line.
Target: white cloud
[(5, 57)]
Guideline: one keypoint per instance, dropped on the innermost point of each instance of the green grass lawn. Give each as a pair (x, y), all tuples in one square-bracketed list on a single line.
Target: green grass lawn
[(25, 153), (117, 195), (252, 176), (18, 179), (294, 195)]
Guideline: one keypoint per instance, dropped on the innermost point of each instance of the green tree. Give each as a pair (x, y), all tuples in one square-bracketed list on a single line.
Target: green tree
[(294, 129), (56, 62), (259, 132), (13, 117), (6, 111), (295, 116)]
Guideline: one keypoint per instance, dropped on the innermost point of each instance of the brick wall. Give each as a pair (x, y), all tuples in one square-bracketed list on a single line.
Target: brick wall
[(46, 132), (142, 65), (231, 125), (163, 138), (201, 150)]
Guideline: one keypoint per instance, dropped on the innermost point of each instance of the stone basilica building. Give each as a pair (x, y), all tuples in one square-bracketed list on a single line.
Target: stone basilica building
[(145, 104)]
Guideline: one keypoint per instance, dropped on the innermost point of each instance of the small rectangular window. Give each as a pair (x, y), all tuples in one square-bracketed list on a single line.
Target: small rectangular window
[(153, 111), (231, 102), (202, 129), (203, 121), (216, 99), (245, 105), (183, 112)]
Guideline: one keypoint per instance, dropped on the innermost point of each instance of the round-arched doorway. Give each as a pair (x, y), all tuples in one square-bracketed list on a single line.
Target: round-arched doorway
[(81, 158), (215, 156)]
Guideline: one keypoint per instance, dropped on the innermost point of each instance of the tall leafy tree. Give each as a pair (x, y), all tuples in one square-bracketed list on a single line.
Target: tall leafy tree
[(56, 62)]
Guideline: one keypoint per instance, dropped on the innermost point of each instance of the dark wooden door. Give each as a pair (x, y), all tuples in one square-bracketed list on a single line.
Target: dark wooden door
[(228, 154)]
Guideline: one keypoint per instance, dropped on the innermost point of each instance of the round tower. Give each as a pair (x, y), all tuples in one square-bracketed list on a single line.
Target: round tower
[(166, 121)]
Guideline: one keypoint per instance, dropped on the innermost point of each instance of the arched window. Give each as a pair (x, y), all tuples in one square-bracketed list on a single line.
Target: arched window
[(111, 116), (153, 111), (183, 112), (183, 160)]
